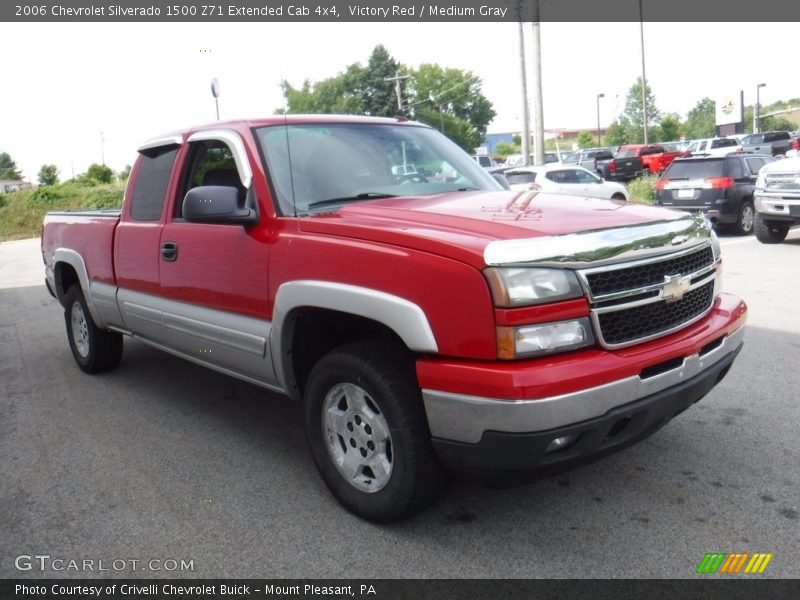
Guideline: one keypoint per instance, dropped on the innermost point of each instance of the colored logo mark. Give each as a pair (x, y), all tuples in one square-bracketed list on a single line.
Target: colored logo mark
[(734, 563)]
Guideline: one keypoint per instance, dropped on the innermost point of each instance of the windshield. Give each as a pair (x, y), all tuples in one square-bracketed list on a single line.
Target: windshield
[(317, 167)]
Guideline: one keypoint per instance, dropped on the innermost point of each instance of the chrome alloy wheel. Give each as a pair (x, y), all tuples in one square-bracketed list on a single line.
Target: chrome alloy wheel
[(748, 214), (80, 329), (357, 437)]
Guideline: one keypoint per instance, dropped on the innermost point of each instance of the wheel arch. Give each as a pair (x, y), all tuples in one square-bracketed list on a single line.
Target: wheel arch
[(311, 318), (70, 269)]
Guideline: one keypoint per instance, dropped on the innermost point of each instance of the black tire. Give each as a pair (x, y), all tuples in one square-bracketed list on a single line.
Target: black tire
[(618, 196), (745, 219), (94, 349), (385, 426), (769, 232)]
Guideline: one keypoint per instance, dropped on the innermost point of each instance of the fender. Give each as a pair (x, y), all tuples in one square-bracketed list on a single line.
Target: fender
[(75, 260), (403, 317)]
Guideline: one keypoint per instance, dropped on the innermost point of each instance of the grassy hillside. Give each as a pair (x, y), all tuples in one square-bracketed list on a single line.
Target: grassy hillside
[(21, 213)]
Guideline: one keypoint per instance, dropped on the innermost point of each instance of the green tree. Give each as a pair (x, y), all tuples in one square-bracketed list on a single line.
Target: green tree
[(48, 175), (452, 93), (124, 173), (100, 173), (380, 97), (444, 98), (586, 139), (633, 115), (670, 127), (505, 149), (8, 168), (701, 120), (617, 132), (357, 90), (777, 123)]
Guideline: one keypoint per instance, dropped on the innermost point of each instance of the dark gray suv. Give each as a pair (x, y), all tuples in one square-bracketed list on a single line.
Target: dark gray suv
[(721, 187)]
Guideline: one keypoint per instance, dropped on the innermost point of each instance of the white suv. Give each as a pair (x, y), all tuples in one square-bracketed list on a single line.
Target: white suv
[(715, 146)]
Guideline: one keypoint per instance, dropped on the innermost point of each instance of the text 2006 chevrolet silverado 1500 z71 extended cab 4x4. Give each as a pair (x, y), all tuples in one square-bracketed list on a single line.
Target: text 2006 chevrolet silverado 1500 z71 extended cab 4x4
[(424, 316)]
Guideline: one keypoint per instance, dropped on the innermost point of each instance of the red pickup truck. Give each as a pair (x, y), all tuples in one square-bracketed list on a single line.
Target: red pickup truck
[(424, 316), (655, 157)]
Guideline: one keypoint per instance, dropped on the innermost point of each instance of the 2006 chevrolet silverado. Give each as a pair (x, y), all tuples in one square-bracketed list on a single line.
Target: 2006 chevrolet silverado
[(423, 315)]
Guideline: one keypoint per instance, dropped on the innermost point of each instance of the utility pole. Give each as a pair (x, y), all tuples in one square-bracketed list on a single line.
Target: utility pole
[(526, 129), (538, 109), (644, 79), (398, 89)]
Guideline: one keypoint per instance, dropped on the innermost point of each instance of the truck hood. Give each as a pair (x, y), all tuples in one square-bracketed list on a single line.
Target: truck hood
[(472, 226), (787, 165)]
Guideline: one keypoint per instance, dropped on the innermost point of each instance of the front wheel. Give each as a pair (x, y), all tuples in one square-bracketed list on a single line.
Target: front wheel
[(368, 433), (744, 222), (769, 232), (94, 349)]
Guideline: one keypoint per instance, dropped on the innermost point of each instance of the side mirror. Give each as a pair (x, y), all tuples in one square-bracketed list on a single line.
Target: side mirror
[(501, 179), (218, 204)]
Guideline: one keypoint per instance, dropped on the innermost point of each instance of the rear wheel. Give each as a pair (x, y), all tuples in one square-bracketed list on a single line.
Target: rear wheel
[(769, 232), (368, 433), (744, 222), (618, 196), (94, 349)]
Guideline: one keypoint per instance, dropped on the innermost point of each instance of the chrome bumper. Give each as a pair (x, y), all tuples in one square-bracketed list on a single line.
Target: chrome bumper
[(463, 418)]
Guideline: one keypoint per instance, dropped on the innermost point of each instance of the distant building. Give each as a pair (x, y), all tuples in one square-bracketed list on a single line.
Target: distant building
[(12, 185), (492, 139)]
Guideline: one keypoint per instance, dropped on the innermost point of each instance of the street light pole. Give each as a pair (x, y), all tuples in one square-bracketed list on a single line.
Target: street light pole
[(757, 111), (598, 118)]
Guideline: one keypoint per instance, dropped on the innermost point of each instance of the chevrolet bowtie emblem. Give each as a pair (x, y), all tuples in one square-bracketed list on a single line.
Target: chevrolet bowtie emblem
[(675, 287)]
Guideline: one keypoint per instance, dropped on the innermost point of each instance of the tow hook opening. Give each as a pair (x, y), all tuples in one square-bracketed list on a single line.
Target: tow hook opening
[(617, 428), (560, 443)]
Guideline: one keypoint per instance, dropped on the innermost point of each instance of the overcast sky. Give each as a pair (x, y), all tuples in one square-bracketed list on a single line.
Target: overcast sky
[(64, 84)]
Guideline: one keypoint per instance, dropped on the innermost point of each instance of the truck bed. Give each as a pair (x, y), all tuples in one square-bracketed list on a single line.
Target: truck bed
[(89, 233)]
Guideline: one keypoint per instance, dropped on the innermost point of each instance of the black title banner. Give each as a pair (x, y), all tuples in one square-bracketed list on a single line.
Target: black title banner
[(394, 589), (711, 11)]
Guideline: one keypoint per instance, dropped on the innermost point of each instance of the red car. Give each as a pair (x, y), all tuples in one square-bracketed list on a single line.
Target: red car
[(423, 315)]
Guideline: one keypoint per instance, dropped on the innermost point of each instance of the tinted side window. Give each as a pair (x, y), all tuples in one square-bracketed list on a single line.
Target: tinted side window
[(755, 164), (735, 169), (147, 201)]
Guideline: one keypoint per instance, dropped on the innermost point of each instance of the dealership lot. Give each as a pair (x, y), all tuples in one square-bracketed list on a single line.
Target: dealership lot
[(163, 460)]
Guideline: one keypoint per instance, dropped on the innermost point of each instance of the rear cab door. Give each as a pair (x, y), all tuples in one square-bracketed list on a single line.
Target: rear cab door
[(136, 239)]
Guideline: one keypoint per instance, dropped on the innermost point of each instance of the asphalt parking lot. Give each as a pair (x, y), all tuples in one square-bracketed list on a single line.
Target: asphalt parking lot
[(162, 459)]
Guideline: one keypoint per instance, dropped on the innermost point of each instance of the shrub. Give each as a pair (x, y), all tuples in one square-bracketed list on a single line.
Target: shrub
[(643, 189)]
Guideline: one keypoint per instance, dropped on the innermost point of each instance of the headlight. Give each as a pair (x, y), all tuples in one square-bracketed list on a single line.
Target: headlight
[(715, 247), (546, 338), (761, 181), (521, 286)]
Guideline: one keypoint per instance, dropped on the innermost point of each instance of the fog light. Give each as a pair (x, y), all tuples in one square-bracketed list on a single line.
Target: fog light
[(560, 443)]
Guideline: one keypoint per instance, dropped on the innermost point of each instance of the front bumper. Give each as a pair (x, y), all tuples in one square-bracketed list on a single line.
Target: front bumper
[(593, 438), (630, 393), (783, 207)]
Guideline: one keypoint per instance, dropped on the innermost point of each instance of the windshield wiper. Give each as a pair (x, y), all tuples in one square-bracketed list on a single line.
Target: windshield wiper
[(468, 189), (354, 198)]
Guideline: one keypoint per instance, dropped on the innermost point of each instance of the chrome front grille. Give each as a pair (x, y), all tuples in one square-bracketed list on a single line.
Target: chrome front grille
[(782, 182), (637, 301)]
